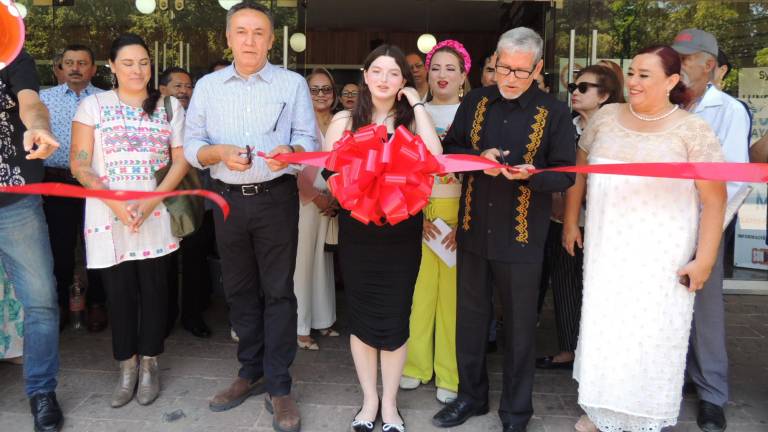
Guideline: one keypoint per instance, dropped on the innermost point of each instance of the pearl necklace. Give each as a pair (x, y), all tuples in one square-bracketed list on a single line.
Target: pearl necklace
[(651, 118)]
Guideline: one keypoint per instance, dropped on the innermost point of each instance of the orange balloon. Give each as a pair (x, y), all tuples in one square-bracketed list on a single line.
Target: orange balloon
[(11, 32)]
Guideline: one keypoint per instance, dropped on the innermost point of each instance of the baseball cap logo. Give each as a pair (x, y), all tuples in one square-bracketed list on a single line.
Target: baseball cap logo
[(684, 37)]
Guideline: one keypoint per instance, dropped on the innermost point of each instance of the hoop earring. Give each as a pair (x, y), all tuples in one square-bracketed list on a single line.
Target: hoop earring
[(461, 92)]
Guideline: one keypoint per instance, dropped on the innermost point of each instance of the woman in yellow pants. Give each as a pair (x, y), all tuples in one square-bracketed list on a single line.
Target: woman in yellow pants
[(432, 342)]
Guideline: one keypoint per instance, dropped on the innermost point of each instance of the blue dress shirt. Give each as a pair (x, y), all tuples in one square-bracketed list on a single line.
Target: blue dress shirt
[(730, 121), (62, 103), (269, 108)]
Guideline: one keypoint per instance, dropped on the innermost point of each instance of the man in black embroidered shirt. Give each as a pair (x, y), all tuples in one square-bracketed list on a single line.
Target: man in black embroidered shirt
[(503, 222)]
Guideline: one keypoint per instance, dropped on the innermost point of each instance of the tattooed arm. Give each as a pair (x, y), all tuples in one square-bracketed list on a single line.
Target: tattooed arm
[(80, 158)]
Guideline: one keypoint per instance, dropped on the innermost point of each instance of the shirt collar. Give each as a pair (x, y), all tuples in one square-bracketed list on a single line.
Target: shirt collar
[(711, 98), (87, 91), (523, 100), (266, 73)]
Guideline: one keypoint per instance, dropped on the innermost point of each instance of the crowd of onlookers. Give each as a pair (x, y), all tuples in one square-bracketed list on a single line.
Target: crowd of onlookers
[(628, 322)]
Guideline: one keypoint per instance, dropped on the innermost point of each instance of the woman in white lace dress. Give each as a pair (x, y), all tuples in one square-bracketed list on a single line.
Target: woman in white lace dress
[(650, 243)]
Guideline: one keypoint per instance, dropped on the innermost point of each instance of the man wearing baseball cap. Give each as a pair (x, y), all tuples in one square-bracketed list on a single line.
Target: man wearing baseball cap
[(707, 358)]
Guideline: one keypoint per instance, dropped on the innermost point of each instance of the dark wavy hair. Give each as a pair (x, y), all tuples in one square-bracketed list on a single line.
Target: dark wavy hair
[(362, 114), (608, 82), (672, 64), (123, 41)]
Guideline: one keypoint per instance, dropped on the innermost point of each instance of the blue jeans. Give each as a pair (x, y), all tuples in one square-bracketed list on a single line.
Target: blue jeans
[(26, 253)]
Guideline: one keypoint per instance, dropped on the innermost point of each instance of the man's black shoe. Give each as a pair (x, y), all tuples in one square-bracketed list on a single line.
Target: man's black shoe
[(711, 417), (46, 412), (515, 428), (198, 328), (458, 411)]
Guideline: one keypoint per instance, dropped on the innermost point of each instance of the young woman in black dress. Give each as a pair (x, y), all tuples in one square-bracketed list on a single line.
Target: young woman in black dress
[(379, 264)]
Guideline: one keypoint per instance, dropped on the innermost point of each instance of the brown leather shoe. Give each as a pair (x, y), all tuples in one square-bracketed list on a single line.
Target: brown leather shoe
[(285, 413), (240, 390)]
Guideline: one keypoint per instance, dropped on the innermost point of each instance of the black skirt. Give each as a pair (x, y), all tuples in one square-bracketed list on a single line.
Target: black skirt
[(379, 266)]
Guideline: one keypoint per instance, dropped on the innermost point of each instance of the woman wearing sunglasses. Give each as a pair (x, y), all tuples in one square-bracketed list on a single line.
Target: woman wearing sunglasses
[(313, 280), (595, 86)]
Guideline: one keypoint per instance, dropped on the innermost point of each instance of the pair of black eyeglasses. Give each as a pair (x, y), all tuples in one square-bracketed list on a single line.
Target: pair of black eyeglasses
[(317, 90), (583, 87), (519, 73)]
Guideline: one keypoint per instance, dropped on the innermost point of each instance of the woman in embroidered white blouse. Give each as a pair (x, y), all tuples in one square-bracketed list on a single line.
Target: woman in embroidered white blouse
[(120, 138)]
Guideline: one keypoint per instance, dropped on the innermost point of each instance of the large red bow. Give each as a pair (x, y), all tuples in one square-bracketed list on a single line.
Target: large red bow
[(379, 180)]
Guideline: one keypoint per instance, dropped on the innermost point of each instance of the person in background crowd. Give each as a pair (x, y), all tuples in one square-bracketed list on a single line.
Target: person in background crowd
[(130, 241), (416, 63), (245, 108), (193, 253), (595, 87), (618, 72), (723, 69), (488, 74), (176, 82), (313, 280), (379, 264), (543, 82), (432, 342), (25, 139), (218, 65), (638, 301), (65, 215), (349, 95), (707, 357), (58, 71), (503, 221)]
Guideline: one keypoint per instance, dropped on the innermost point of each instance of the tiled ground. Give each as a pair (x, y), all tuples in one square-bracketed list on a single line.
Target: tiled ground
[(325, 385)]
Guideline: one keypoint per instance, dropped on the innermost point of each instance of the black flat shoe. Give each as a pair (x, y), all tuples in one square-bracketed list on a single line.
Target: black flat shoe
[(392, 427), (549, 362), (363, 425), (711, 417), (198, 329), (458, 411), (46, 412)]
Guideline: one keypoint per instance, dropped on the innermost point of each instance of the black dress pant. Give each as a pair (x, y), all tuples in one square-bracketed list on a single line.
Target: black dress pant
[(137, 295), (257, 245), (518, 284), (195, 276), (65, 223)]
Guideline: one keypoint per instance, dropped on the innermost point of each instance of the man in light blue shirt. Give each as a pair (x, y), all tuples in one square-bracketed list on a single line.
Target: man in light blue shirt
[(65, 215), (245, 108), (707, 357)]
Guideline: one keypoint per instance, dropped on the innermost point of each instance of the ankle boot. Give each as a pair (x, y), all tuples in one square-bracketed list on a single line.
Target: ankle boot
[(149, 381), (126, 384)]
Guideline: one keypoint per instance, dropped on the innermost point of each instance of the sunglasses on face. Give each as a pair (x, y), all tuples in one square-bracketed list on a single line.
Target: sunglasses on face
[(349, 94), (318, 90), (583, 87)]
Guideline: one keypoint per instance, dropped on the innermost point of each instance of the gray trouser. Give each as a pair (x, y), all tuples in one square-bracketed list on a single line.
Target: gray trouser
[(707, 364)]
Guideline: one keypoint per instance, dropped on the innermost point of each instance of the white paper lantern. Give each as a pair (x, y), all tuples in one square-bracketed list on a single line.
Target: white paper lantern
[(298, 42), (146, 6), (426, 42), (22, 10), (227, 4)]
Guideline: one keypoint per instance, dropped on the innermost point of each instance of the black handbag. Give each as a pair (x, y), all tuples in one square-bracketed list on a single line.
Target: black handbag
[(186, 211)]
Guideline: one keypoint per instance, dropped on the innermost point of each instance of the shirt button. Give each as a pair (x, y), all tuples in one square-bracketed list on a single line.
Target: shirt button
[(490, 204), (247, 133), (505, 121), (489, 230), (248, 110)]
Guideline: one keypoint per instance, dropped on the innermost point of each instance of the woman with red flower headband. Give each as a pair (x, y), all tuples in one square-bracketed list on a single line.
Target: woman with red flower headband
[(433, 316)]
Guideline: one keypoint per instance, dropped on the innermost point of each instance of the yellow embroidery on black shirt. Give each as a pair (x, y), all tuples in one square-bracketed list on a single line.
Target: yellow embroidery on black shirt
[(477, 127), (524, 199)]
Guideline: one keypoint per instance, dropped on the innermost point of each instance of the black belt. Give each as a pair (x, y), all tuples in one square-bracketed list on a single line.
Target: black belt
[(254, 188), (61, 175)]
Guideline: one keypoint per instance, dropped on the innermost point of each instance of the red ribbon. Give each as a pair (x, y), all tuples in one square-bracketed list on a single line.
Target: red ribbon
[(386, 181), (70, 191)]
